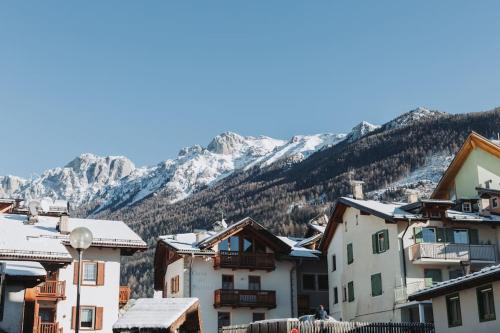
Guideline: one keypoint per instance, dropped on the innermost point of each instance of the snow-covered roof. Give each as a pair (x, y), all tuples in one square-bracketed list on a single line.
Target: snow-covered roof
[(22, 268), (43, 241), (187, 242), (154, 313), (471, 217), (491, 273), (389, 210), (298, 250)]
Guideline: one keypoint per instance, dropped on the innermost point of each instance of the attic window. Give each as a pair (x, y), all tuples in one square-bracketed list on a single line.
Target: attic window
[(494, 202), (435, 214), (467, 207)]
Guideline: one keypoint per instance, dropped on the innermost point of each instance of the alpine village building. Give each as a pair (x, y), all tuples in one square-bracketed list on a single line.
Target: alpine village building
[(243, 273), (38, 269), (380, 254)]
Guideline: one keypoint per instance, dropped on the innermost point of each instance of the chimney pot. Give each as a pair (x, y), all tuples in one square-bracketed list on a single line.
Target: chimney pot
[(411, 196), (64, 224)]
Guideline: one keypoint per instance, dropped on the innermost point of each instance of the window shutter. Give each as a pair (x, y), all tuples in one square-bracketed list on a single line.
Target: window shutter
[(98, 318), (450, 238), (418, 234), (376, 280), (473, 236), (350, 291), (100, 274), (480, 306), (440, 235), (350, 257), (75, 272), (386, 239), (73, 317), (374, 243)]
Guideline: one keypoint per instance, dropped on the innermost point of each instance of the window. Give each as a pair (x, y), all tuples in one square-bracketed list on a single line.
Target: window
[(350, 291), (174, 284), (89, 275), (350, 255), (223, 319), (87, 317), (334, 263), (308, 282), (461, 236), (227, 282), (435, 214), (335, 295), (344, 294), (494, 202), (376, 280), (455, 273), (256, 316), (322, 282), (432, 276), (429, 235), (254, 282), (485, 303), (380, 241), (453, 310), (466, 207)]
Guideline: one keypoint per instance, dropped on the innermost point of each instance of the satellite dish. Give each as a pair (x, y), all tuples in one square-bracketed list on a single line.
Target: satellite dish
[(33, 206)]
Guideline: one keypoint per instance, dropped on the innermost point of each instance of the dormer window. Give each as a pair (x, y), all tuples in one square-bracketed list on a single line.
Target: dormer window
[(466, 207), (435, 214)]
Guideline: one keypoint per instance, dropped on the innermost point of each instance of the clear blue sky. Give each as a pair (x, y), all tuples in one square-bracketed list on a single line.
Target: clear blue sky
[(145, 78)]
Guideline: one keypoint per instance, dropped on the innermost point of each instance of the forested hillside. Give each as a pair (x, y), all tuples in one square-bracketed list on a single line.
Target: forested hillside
[(284, 196)]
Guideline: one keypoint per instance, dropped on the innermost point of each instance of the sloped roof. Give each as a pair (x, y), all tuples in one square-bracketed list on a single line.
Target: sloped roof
[(485, 275), (298, 250), (155, 313), (472, 141), (42, 240), (23, 268)]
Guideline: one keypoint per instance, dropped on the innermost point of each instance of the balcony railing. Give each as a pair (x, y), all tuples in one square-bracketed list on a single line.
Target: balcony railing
[(51, 289), (44, 327), (452, 252), (124, 295), (245, 298), (401, 293), (239, 260)]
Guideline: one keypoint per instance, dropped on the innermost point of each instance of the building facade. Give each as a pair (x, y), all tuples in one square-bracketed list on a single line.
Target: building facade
[(240, 273), (50, 306), (380, 253)]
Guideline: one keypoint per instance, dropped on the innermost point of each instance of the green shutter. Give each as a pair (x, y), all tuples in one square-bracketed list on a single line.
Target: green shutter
[(374, 243), (418, 234), (440, 235), (480, 305), (450, 238), (473, 236), (350, 257), (350, 291), (376, 280), (386, 239)]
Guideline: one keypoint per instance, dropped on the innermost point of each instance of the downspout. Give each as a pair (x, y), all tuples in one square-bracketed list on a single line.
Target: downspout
[(191, 258), (401, 242), (292, 303)]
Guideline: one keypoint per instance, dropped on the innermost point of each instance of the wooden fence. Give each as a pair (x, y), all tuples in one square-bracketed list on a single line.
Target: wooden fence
[(318, 326)]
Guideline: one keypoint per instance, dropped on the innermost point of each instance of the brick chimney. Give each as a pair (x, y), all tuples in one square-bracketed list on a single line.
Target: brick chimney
[(357, 189)]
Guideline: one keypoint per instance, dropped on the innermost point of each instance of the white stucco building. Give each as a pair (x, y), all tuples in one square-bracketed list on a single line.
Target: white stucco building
[(466, 304), (49, 306), (379, 253), (240, 273)]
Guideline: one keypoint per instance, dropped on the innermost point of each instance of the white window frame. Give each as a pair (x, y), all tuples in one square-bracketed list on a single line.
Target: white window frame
[(468, 205), (92, 309), (89, 282)]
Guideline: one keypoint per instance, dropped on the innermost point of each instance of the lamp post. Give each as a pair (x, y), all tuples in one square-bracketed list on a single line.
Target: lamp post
[(80, 239)]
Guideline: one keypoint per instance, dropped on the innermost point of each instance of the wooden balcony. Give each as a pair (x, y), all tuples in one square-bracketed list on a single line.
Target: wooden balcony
[(239, 260), (124, 295), (51, 290), (426, 253), (44, 327), (239, 298)]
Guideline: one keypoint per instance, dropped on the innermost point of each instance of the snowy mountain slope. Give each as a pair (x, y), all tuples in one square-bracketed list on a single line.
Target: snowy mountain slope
[(416, 115), (114, 181), (361, 130)]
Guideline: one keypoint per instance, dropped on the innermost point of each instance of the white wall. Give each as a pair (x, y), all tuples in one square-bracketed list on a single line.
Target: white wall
[(105, 296), (470, 316), (13, 309), (335, 277), (205, 280)]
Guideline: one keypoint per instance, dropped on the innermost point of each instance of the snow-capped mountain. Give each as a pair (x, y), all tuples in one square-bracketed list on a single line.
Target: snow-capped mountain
[(361, 130), (416, 115), (115, 181)]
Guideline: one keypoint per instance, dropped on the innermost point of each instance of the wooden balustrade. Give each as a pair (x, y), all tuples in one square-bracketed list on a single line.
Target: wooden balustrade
[(124, 295), (51, 289), (45, 327), (245, 298), (242, 260)]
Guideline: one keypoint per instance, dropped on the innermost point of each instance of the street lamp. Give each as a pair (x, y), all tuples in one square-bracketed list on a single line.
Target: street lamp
[(80, 239)]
